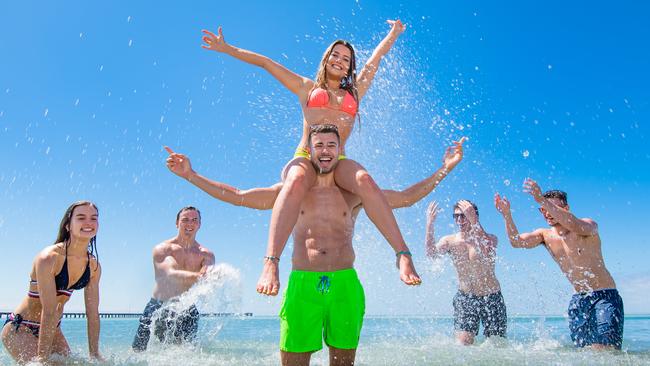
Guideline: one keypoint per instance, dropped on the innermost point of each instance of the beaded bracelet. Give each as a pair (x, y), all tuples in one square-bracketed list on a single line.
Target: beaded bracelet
[(272, 258)]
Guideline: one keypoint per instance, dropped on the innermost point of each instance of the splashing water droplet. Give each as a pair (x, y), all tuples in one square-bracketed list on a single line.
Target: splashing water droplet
[(506, 182), (525, 153), (218, 292)]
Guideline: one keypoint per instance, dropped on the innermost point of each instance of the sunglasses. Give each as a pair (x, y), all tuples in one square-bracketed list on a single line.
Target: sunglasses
[(458, 216), (544, 211)]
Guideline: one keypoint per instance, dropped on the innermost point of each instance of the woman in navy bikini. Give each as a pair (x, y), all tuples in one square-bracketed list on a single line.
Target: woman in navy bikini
[(32, 332), (332, 98)]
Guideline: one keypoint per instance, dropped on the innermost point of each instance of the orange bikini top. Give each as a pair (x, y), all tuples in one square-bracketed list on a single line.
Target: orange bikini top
[(320, 98)]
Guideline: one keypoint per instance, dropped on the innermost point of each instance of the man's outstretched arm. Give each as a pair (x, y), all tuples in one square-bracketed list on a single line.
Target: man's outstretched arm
[(414, 193), (525, 240), (165, 266), (257, 198), (568, 220)]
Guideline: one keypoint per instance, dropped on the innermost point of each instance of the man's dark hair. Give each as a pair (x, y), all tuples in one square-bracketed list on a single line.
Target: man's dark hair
[(324, 128), (555, 193), (471, 203), (187, 208)]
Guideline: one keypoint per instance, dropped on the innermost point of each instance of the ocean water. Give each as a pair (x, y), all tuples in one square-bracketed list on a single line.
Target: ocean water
[(384, 341)]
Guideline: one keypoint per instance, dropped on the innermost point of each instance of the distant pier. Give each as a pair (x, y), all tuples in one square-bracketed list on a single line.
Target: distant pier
[(4, 315)]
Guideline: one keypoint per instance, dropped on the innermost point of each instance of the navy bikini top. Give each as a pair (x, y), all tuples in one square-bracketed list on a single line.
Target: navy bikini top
[(62, 278)]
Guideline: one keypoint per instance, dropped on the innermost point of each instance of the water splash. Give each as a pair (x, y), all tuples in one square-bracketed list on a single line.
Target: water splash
[(217, 294)]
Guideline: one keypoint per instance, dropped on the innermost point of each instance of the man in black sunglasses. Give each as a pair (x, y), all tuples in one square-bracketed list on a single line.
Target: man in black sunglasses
[(473, 252), (596, 310)]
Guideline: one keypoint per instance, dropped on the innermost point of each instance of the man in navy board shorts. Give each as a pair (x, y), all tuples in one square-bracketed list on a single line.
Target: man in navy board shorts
[(596, 309)]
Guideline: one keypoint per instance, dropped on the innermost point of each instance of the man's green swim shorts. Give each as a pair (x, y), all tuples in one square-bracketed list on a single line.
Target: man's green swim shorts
[(317, 304)]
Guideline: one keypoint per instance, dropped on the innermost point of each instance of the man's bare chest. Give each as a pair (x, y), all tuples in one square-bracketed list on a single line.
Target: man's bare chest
[(189, 260)]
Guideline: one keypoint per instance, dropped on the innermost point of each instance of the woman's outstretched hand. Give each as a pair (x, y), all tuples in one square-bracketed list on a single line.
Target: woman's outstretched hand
[(213, 41), (397, 26)]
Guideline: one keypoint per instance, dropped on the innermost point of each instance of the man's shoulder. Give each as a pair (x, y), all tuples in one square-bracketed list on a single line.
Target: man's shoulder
[(493, 238), (164, 246), (450, 239), (203, 249), (206, 253), (545, 232), (589, 220)]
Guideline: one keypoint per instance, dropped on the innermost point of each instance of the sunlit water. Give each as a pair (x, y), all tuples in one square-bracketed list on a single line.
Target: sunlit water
[(388, 340), (384, 341)]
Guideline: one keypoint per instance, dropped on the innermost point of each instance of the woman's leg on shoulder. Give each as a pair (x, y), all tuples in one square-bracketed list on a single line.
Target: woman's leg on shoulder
[(298, 176), (353, 177)]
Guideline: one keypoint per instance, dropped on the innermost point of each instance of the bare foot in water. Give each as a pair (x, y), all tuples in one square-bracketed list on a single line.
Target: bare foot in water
[(269, 282)]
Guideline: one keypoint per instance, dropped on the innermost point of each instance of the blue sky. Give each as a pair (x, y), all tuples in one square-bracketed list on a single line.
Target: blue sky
[(89, 94)]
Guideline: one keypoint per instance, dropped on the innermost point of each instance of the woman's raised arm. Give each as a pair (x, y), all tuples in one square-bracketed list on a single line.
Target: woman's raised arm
[(367, 74), (297, 84)]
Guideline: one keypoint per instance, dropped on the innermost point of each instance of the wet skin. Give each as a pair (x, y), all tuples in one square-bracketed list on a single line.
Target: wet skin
[(181, 261)]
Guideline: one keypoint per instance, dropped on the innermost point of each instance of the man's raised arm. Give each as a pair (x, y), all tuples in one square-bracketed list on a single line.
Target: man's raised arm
[(257, 198), (414, 193), (525, 240), (568, 220)]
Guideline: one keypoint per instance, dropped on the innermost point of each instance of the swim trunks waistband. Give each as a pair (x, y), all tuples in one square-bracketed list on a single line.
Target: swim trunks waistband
[(599, 291), (469, 294), (347, 272)]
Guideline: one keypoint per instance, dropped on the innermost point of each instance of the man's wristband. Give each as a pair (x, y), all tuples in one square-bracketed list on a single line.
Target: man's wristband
[(403, 252), (272, 258)]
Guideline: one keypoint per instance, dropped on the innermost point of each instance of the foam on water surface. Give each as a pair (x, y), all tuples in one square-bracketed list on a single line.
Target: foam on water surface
[(384, 341)]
